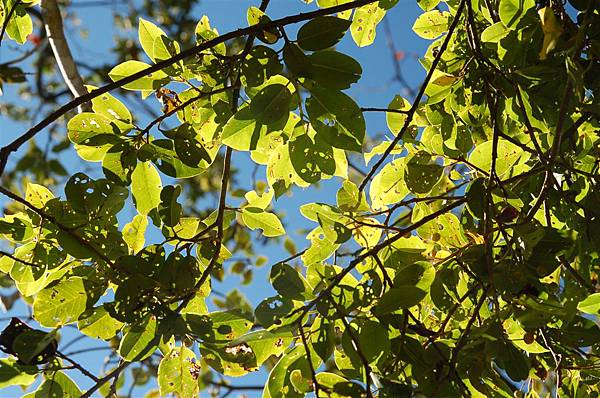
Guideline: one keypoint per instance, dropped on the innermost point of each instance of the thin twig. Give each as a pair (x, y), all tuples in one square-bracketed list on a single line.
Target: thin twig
[(417, 100), (113, 373), (313, 373)]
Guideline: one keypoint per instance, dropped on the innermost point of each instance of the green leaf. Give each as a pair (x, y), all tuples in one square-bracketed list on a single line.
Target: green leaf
[(91, 129), (256, 16), (395, 121), (509, 155), (373, 338), (321, 248), (350, 199), (119, 162), (242, 132), (260, 201), (511, 11), (32, 346), (109, 106), (134, 232), (261, 63), (364, 22), (146, 187), (167, 160), (15, 374), (30, 279), (513, 361), (494, 33), (97, 323), (17, 228), (297, 62), (400, 297), (279, 383), (432, 24), (38, 195), (272, 310), (140, 340), (19, 26), (155, 42), (186, 228), (56, 385), (321, 33), (420, 274), (64, 302), (339, 386), (289, 282), (421, 174), (311, 159), (345, 127), (257, 218), (92, 153), (271, 104), (590, 305), (204, 33), (150, 81), (476, 197), (333, 69), (218, 326), (265, 343), (178, 373), (388, 185), (427, 5)]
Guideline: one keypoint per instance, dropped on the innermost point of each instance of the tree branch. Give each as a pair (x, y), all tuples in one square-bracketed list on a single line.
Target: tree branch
[(113, 373), (60, 48)]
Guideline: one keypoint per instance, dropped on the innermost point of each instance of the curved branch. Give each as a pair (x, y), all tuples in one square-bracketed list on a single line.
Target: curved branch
[(60, 48)]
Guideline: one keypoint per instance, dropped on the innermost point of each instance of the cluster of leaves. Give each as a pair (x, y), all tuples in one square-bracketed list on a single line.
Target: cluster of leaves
[(472, 241)]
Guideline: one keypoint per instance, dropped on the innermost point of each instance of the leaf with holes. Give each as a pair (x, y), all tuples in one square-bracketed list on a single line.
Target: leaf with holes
[(178, 373)]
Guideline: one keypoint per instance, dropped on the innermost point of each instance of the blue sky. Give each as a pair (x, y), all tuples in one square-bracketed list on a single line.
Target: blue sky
[(375, 89)]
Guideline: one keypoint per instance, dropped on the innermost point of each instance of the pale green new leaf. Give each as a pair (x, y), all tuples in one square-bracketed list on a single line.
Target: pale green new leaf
[(590, 305), (38, 195), (146, 187), (509, 155), (20, 25), (242, 132), (97, 323), (511, 11), (432, 24), (494, 33), (85, 126), (139, 340), (155, 42), (364, 23), (388, 185), (255, 218), (150, 81), (134, 232), (109, 106), (395, 120), (62, 303)]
